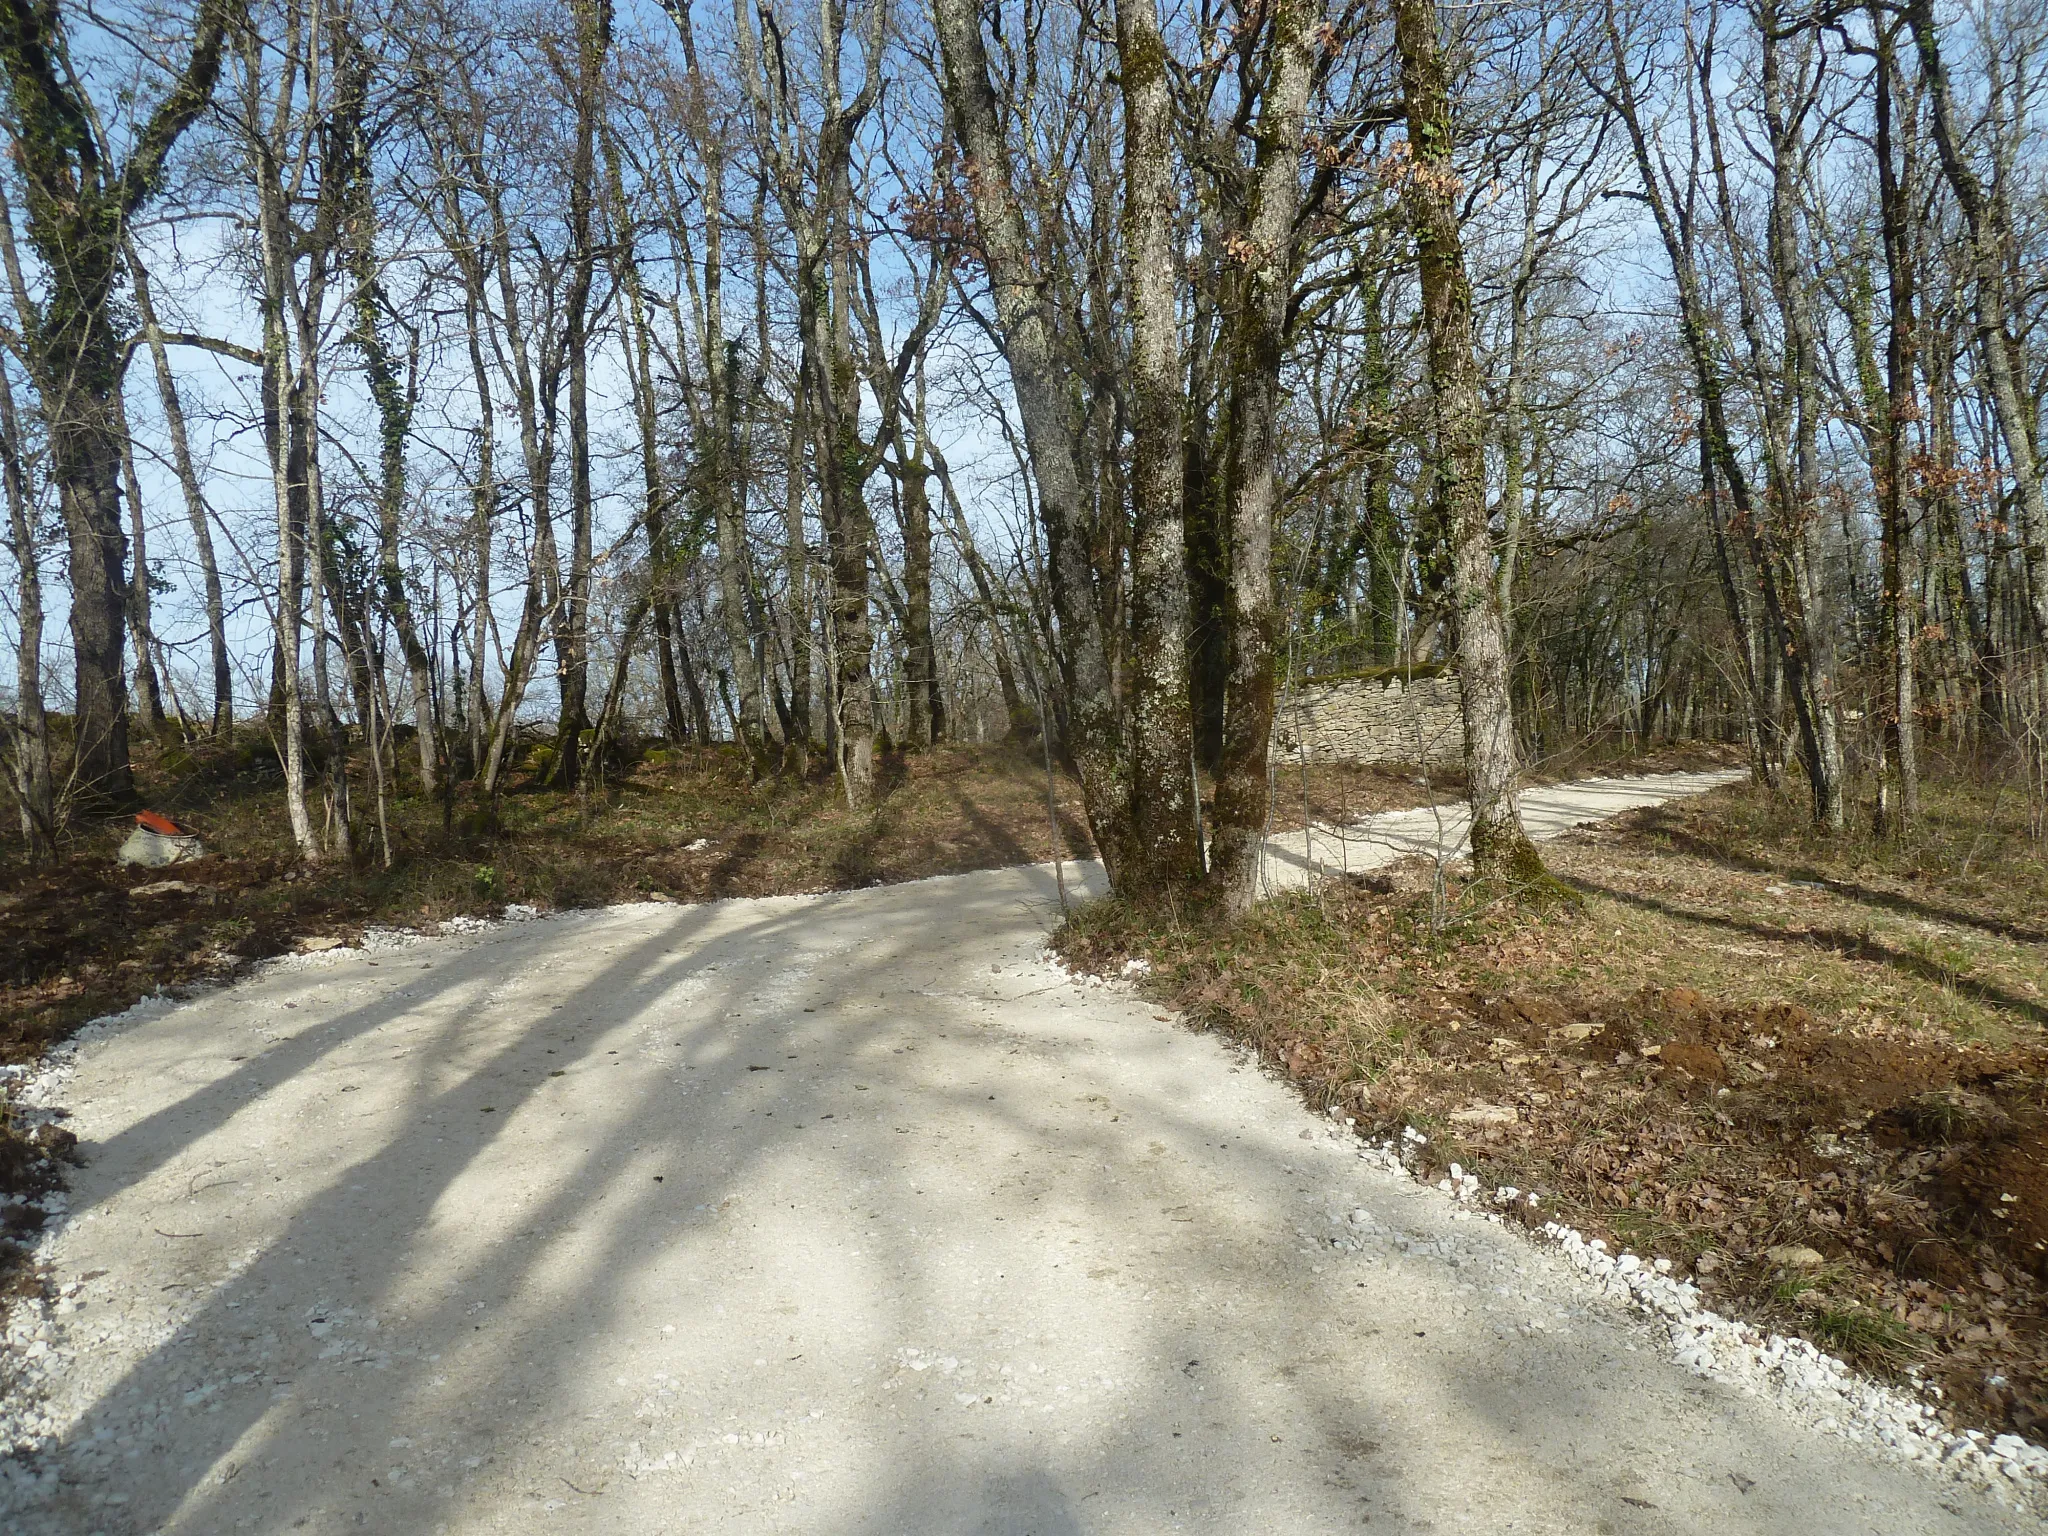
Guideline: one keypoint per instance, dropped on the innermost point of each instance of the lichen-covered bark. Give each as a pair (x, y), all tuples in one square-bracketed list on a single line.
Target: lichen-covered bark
[(1166, 850), (1257, 346), (1500, 848)]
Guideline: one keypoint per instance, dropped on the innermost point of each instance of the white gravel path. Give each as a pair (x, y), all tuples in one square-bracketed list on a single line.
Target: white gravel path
[(828, 1214), (1547, 811)]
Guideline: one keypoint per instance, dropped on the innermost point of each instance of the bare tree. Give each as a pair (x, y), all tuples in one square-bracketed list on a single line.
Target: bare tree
[(79, 198), (1501, 850)]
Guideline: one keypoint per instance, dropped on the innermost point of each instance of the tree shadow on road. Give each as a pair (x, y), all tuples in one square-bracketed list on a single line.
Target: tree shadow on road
[(528, 1283)]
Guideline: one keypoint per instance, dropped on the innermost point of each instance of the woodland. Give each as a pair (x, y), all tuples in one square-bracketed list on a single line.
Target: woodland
[(450, 393)]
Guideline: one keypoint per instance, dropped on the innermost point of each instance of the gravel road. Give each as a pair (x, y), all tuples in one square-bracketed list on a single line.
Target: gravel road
[(1547, 810), (829, 1214)]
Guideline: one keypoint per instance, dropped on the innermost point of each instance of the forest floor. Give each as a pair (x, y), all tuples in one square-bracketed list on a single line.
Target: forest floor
[(1809, 1071)]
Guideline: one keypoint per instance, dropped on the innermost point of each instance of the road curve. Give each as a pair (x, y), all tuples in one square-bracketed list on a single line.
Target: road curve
[(828, 1214)]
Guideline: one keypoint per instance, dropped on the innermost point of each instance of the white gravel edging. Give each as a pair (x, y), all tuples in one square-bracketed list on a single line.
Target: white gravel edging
[(1817, 1389), (32, 1343)]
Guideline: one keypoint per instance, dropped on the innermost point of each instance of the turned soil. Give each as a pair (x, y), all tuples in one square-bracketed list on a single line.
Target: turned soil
[(1810, 1071)]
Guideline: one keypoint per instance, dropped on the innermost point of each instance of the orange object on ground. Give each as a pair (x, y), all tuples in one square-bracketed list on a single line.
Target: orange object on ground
[(161, 824)]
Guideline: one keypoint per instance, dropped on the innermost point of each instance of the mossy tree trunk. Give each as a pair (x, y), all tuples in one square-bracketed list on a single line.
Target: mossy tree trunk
[(1267, 255), (1166, 850), (1501, 850)]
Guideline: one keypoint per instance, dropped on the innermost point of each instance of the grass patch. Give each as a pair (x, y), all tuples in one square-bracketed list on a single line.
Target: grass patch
[(1857, 1334)]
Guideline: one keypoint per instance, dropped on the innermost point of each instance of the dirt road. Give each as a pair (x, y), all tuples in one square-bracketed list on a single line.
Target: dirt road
[(825, 1214)]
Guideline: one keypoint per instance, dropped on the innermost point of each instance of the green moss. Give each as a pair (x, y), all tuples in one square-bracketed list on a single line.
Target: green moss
[(1517, 873)]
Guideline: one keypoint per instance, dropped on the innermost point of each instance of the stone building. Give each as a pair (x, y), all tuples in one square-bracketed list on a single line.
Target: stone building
[(1407, 716)]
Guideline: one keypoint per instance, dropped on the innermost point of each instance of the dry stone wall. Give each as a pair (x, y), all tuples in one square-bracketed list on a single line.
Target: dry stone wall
[(1383, 719)]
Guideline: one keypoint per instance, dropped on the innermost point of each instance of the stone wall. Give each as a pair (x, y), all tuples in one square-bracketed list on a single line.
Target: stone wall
[(1383, 718)]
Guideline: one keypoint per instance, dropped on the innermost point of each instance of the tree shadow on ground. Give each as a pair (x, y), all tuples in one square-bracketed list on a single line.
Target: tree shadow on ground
[(505, 1244), (1669, 826), (473, 1231), (1853, 946)]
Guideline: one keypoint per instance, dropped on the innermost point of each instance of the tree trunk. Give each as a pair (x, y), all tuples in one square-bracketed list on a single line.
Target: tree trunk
[(77, 204), (195, 500), (1041, 382), (389, 393), (291, 579), (1256, 348), (572, 642), (1501, 850), (284, 446), (1016, 712), (30, 743), (716, 427), (1766, 755), (325, 587), (614, 695), (149, 699), (797, 599), (921, 656), (1798, 474), (1166, 851), (483, 508), (639, 358), (1896, 191), (518, 672)]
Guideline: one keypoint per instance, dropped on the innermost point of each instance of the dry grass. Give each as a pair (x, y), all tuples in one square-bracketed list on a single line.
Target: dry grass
[(1750, 1037)]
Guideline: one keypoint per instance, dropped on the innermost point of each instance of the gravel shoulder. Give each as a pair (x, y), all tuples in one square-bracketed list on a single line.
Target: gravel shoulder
[(843, 1213)]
